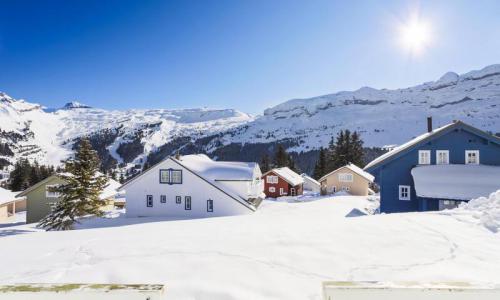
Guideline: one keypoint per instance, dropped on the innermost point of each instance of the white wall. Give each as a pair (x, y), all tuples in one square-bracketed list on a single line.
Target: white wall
[(199, 190)]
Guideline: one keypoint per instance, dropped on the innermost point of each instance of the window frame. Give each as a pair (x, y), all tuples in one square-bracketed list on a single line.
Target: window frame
[(438, 152), (178, 199), (408, 192), (47, 192), (170, 180), (187, 203), (149, 198), (344, 177), (163, 198), (272, 179), (420, 152), (282, 191), (272, 189), (467, 156), (210, 205)]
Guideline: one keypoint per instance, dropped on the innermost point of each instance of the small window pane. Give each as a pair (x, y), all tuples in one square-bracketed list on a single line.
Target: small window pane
[(187, 203), (210, 205), (149, 201), (178, 199), (163, 199), (176, 176)]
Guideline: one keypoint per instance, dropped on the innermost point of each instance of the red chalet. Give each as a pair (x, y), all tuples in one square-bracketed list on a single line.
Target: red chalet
[(282, 182)]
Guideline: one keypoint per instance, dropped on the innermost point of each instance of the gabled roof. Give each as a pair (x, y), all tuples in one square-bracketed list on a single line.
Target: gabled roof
[(309, 178), (426, 137), (288, 175), (7, 196), (211, 171), (354, 169), (108, 191)]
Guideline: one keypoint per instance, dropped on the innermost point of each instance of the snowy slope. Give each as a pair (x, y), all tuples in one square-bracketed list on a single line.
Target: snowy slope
[(384, 116), (283, 251), (49, 133)]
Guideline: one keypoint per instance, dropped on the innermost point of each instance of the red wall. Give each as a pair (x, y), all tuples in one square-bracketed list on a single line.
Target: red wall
[(281, 184)]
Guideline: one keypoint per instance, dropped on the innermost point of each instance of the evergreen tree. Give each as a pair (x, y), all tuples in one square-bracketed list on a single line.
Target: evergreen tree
[(122, 178), (80, 193), (348, 148), (281, 158), (291, 164), (320, 169), (265, 163)]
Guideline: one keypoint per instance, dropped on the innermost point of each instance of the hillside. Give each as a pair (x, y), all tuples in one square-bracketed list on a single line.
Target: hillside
[(130, 139)]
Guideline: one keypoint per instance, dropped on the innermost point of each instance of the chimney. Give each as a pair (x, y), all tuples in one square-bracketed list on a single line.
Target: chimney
[(177, 155), (429, 124)]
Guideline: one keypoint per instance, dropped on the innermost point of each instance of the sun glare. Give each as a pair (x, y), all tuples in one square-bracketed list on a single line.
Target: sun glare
[(415, 35)]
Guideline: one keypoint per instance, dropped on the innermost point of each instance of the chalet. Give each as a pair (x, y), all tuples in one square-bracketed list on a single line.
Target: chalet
[(194, 186), (349, 178), (40, 198), (282, 182), (438, 170), (9, 205), (310, 184)]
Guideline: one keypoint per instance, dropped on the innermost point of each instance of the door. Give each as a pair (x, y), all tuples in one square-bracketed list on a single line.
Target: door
[(292, 191)]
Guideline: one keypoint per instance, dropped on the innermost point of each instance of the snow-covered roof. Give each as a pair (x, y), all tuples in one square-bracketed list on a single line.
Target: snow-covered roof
[(111, 189), (218, 170), (459, 182), (7, 196), (354, 169), (406, 145), (309, 178), (288, 175)]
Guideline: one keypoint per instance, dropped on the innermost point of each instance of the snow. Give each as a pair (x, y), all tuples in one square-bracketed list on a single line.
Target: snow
[(218, 170), (406, 145), (289, 175), (111, 189), (283, 251), (486, 210), (7, 196), (458, 182)]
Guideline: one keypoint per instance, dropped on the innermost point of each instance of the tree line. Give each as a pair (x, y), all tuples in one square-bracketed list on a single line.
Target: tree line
[(281, 159), (26, 174)]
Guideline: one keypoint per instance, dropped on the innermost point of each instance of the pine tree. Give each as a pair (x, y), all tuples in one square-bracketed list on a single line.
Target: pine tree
[(357, 152), (348, 148), (265, 163), (281, 157), (320, 169), (80, 193), (291, 164)]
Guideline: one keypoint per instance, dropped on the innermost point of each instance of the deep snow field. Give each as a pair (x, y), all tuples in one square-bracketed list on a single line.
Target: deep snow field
[(283, 251)]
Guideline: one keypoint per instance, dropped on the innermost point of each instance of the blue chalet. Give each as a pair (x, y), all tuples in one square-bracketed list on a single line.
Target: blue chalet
[(438, 169)]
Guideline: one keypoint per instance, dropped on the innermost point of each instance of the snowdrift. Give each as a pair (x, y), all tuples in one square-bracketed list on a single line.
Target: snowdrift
[(486, 210)]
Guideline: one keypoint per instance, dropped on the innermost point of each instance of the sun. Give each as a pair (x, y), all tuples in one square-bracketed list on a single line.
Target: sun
[(415, 35)]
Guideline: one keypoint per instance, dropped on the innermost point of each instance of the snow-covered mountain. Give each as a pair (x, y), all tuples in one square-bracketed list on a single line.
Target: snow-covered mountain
[(135, 136), (383, 116)]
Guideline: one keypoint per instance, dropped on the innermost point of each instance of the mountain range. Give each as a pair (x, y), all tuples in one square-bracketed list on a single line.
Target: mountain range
[(128, 140)]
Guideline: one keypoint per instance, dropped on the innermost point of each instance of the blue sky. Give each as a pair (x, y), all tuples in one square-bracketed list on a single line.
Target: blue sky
[(247, 55)]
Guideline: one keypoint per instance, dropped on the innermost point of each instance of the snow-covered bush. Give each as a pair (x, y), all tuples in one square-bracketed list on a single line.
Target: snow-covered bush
[(486, 210)]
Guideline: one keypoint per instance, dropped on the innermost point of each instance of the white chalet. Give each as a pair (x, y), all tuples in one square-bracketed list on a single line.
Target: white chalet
[(194, 186)]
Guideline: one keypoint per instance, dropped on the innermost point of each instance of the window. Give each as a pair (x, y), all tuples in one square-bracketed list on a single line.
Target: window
[(164, 176), (404, 192), (442, 157), (282, 191), (345, 188), (187, 203), (210, 205), (178, 199), (49, 191), (345, 177), (272, 179), (170, 176), (177, 176), (163, 199), (472, 157), (424, 157), (52, 206), (292, 191), (272, 189), (334, 189), (149, 200)]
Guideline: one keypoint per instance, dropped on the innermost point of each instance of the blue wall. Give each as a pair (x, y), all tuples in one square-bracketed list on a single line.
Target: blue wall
[(396, 171)]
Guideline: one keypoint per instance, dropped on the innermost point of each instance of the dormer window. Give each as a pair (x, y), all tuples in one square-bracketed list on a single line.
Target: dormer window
[(424, 157), (472, 157), (170, 176)]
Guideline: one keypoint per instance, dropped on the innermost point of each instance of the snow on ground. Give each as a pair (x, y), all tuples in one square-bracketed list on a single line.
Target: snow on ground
[(282, 251)]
